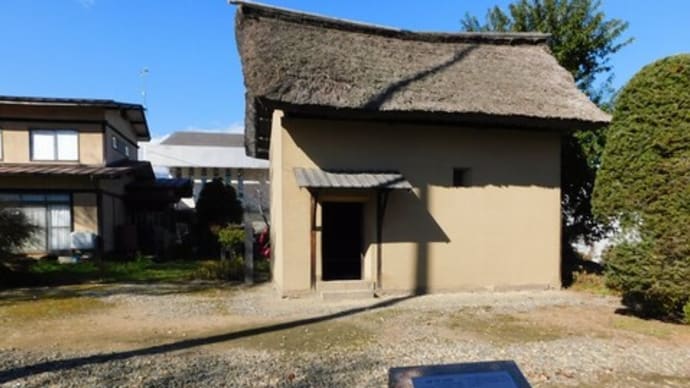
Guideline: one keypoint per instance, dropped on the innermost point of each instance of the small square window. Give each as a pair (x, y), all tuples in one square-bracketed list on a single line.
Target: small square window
[(127, 150), (461, 177), (115, 145)]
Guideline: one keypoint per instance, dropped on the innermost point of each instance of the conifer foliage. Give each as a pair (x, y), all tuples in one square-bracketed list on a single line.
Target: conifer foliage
[(644, 186)]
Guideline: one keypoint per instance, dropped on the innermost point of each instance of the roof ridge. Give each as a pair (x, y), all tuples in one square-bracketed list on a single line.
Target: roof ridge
[(289, 15), (6, 99)]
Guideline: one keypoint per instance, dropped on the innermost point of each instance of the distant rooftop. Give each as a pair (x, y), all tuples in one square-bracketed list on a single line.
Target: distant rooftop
[(205, 139)]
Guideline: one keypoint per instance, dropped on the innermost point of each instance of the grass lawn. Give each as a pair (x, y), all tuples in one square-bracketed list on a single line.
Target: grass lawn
[(48, 273), (109, 271)]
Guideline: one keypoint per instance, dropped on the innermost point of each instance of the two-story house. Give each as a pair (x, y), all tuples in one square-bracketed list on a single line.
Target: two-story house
[(71, 165)]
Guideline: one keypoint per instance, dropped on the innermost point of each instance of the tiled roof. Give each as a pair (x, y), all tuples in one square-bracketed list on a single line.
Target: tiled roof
[(316, 178), (18, 169)]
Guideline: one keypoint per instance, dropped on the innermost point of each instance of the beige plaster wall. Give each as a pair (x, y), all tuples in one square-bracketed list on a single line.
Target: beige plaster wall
[(91, 147), (276, 173), (502, 232), (17, 148), (85, 212)]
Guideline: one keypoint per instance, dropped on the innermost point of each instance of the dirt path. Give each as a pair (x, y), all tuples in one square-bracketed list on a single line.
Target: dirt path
[(203, 334)]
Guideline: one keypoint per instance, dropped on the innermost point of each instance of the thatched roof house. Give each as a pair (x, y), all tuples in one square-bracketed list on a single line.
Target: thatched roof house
[(328, 67), (404, 161)]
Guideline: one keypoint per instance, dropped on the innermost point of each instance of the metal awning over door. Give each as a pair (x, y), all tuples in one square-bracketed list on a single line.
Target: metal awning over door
[(382, 182), (317, 178)]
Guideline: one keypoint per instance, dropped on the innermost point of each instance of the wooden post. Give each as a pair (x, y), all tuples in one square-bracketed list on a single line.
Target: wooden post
[(248, 250), (381, 202), (312, 247)]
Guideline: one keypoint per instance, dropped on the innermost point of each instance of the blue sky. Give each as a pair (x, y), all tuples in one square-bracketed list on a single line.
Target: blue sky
[(97, 48)]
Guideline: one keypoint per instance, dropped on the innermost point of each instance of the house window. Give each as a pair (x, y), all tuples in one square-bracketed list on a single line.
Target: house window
[(55, 145), (114, 141), (127, 150), (461, 177), (51, 212)]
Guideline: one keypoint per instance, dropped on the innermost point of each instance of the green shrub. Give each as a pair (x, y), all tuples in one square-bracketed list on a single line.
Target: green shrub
[(231, 236), (232, 269), (15, 231), (643, 186), (652, 285), (231, 240)]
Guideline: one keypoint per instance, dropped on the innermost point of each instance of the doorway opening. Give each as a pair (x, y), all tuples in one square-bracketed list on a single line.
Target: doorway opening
[(342, 240)]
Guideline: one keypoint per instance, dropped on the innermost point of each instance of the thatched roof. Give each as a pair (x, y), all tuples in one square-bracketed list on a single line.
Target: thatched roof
[(312, 65)]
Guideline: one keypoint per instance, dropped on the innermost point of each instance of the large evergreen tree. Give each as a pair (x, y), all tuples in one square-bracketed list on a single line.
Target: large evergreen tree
[(218, 204), (583, 41), (644, 185), (217, 207)]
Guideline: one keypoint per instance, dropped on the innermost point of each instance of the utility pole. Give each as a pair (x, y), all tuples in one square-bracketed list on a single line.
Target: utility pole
[(143, 74)]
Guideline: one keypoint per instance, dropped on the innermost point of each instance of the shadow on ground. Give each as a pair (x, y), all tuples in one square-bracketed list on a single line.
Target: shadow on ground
[(76, 362)]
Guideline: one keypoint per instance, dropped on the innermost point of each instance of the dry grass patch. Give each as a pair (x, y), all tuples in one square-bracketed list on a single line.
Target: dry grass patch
[(30, 311), (317, 337), (504, 328), (650, 328), (591, 283)]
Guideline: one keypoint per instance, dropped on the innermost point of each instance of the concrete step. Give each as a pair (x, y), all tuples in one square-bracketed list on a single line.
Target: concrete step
[(337, 295), (344, 285)]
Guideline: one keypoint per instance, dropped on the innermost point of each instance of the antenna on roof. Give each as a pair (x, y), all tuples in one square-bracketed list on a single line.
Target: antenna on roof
[(143, 74)]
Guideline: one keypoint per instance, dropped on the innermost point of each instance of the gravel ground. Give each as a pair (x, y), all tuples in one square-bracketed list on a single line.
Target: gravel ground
[(357, 347)]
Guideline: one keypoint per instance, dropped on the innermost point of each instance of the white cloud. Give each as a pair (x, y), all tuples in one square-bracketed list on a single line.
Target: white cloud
[(87, 3)]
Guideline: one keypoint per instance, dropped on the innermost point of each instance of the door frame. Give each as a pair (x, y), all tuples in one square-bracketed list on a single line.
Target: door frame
[(362, 236)]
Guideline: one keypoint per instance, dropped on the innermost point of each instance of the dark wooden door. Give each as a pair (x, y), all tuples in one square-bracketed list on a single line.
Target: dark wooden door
[(341, 240)]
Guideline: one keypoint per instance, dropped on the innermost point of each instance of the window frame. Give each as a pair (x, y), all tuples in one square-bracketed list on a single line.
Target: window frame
[(461, 177), (54, 132), (48, 201)]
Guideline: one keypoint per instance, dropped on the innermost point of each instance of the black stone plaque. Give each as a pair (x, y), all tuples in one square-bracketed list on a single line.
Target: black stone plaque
[(492, 374)]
